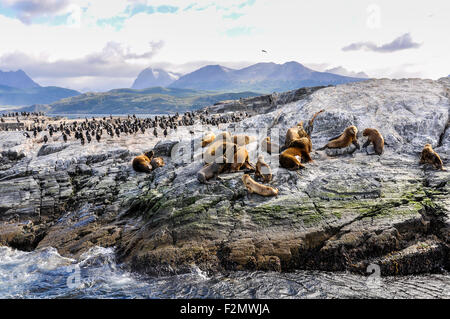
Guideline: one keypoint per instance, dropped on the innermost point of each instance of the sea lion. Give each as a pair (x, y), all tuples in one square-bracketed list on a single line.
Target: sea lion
[(219, 148), (268, 146), (429, 156), (212, 170), (254, 187), (208, 139), (289, 160), (241, 159), (375, 137), (305, 146), (263, 170), (142, 163), (299, 131), (242, 139), (345, 139), (157, 162)]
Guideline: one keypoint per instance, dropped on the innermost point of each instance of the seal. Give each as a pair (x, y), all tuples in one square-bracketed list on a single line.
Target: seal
[(157, 162), (429, 156), (254, 187), (305, 146), (212, 170), (142, 163), (375, 137), (345, 139), (208, 139), (240, 159), (263, 170)]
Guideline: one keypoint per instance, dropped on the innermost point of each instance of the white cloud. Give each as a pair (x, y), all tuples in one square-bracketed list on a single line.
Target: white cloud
[(311, 33)]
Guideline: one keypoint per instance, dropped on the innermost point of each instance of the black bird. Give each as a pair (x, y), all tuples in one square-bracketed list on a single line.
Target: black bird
[(88, 137), (155, 132), (26, 134), (98, 137), (45, 139), (64, 137)]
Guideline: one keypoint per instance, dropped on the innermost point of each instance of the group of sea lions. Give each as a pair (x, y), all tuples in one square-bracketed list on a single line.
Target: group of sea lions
[(228, 153), (147, 162), (223, 147)]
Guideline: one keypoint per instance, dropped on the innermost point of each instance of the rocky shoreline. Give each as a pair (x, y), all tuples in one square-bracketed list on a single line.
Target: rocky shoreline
[(344, 212)]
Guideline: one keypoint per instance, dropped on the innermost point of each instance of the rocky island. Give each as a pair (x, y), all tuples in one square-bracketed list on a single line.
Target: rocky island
[(345, 211)]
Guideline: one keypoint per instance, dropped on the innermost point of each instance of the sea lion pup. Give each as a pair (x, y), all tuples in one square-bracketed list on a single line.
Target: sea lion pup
[(345, 139), (241, 159), (142, 163), (242, 139), (269, 147), (263, 170), (375, 137), (254, 187), (157, 162), (208, 139), (212, 170), (429, 156)]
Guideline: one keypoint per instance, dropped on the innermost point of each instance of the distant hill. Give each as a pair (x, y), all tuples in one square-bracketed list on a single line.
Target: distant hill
[(154, 78), (260, 77), (151, 100), (42, 95), (17, 79)]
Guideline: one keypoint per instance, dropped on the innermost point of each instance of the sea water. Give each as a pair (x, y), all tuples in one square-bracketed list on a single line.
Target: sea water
[(44, 273)]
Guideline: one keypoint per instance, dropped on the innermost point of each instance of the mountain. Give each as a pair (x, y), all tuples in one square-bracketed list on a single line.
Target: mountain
[(35, 95), (343, 71), (17, 79), (154, 78), (155, 100), (260, 77)]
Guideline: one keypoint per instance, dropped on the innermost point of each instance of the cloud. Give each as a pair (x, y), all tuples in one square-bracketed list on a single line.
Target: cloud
[(27, 10), (115, 60), (403, 42)]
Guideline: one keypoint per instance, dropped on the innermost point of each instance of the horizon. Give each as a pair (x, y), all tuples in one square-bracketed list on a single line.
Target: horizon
[(101, 45)]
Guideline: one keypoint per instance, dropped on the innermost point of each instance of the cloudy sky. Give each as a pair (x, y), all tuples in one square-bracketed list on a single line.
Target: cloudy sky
[(104, 44)]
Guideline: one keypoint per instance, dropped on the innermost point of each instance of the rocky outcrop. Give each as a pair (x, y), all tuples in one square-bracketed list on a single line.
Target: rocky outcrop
[(345, 211)]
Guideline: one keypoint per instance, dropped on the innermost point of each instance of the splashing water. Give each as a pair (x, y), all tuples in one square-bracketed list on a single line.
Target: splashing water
[(45, 274)]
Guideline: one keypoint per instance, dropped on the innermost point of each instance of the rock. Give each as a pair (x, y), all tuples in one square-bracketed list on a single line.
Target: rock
[(164, 148), (51, 148), (343, 212)]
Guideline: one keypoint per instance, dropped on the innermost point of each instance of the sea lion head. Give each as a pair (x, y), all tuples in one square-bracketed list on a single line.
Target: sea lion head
[(149, 154), (351, 130)]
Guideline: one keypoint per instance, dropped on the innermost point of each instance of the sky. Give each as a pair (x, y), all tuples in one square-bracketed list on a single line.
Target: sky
[(97, 45)]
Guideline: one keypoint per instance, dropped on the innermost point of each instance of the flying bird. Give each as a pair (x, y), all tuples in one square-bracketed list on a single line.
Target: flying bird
[(264, 51)]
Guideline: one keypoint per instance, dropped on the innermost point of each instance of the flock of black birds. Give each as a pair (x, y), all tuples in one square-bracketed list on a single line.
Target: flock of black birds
[(88, 129)]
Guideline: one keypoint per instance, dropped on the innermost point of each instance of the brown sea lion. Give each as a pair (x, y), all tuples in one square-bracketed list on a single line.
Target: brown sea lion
[(157, 162), (242, 139), (219, 148), (263, 170), (212, 170), (345, 139), (240, 159), (375, 137), (268, 146), (289, 160), (305, 146), (142, 163), (208, 139), (299, 131), (429, 156), (254, 187)]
